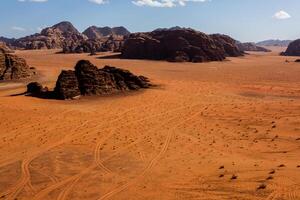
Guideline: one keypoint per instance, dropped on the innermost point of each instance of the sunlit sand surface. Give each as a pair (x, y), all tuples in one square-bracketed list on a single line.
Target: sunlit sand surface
[(211, 131)]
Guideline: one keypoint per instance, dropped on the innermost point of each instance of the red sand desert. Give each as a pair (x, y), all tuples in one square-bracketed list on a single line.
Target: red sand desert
[(210, 131)]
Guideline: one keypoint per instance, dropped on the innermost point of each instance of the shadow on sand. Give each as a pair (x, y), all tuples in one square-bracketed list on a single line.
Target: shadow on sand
[(115, 56)]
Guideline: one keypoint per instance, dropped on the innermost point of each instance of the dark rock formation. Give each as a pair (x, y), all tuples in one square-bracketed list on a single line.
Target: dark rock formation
[(50, 38), (293, 49), (228, 45), (67, 85), (13, 67), (179, 45), (248, 46), (34, 88), (94, 32), (92, 46), (88, 80)]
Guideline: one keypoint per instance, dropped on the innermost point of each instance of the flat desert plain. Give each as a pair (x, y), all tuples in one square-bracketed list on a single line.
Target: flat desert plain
[(209, 131)]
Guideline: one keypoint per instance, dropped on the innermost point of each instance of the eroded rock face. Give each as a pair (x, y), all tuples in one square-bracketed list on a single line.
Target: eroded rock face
[(293, 49), (67, 85), (248, 46), (113, 44), (228, 45), (4, 48), (179, 45), (94, 32), (51, 38), (13, 67), (88, 80)]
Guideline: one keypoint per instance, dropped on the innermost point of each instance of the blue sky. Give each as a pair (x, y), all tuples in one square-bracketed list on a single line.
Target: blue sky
[(245, 20)]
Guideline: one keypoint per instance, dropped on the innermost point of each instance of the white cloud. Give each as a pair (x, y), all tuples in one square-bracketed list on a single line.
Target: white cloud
[(98, 1), (17, 28), (282, 15), (164, 3)]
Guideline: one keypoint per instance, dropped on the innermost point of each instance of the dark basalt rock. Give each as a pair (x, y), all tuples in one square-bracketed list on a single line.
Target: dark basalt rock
[(293, 49), (88, 80), (179, 45), (13, 67)]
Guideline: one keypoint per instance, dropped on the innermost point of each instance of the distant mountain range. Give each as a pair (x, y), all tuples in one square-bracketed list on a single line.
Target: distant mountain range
[(64, 33), (280, 43), (248, 46), (94, 38)]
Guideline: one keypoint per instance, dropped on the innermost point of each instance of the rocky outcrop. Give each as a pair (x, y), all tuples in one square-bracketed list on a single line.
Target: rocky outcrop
[(88, 80), (4, 48), (51, 38), (228, 45), (67, 85), (293, 49), (94, 32), (13, 67), (182, 45), (114, 44), (248, 46), (7, 41)]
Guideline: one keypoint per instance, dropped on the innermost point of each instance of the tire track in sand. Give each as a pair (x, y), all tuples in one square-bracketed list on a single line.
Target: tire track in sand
[(285, 189), (150, 165), (25, 173), (64, 193)]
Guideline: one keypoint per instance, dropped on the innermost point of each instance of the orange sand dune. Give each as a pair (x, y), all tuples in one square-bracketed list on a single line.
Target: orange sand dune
[(212, 131)]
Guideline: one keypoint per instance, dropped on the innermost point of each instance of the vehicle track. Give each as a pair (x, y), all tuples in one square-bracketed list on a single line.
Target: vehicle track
[(150, 165), (25, 174), (96, 162)]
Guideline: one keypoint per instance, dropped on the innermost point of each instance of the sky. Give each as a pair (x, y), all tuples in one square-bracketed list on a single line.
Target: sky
[(244, 20)]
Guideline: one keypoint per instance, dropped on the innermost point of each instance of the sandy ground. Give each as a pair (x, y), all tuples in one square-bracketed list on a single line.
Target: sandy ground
[(214, 131)]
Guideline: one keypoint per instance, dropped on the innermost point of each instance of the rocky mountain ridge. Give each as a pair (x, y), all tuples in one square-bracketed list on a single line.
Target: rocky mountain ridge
[(94, 32)]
